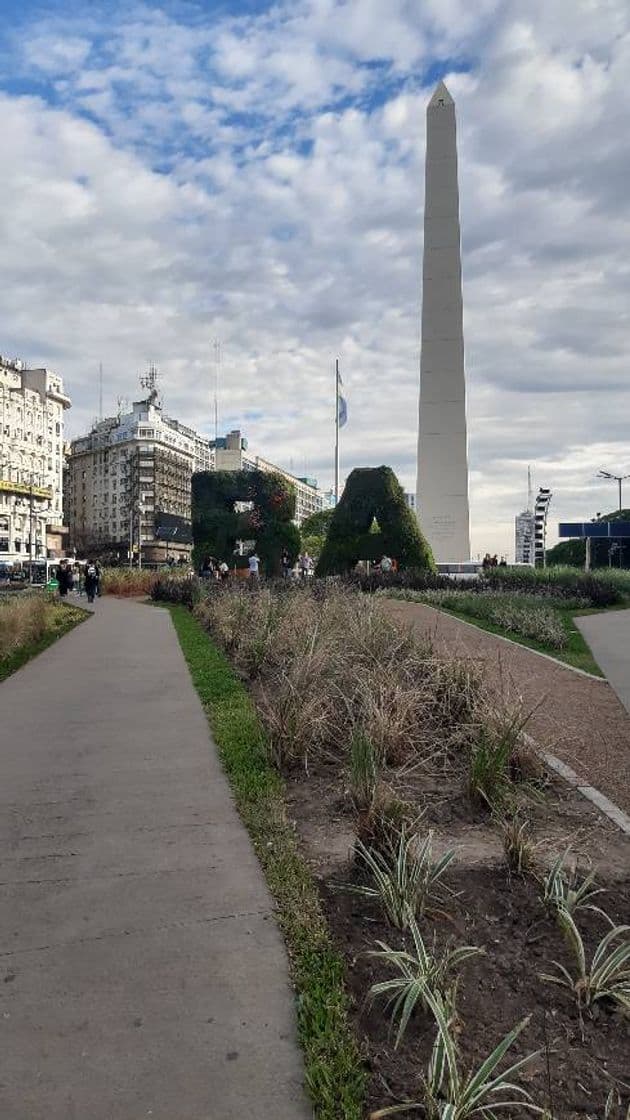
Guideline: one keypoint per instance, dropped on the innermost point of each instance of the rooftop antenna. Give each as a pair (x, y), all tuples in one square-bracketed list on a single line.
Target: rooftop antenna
[(100, 391), (149, 382), (217, 369), (530, 492)]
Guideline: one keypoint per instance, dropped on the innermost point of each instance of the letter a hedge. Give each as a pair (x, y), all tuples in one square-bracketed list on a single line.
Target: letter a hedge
[(373, 492)]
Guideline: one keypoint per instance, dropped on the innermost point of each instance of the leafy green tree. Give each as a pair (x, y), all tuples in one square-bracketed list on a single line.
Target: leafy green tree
[(373, 493), (318, 524)]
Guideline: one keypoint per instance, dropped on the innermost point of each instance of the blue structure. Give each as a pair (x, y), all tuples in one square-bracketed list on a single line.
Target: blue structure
[(607, 530)]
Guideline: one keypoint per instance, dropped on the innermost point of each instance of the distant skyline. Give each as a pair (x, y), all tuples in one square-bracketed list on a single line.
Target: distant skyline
[(177, 172)]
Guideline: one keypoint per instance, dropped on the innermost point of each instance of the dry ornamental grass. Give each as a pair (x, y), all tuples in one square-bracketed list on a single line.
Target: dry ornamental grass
[(23, 620)]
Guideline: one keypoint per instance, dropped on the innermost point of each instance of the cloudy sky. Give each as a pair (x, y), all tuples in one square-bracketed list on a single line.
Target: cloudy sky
[(175, 172)]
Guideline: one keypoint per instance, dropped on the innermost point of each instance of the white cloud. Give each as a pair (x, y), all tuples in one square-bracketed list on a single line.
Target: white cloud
[(260, 180)]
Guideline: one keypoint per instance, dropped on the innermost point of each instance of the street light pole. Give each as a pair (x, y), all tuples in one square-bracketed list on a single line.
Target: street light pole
[(618, 478)]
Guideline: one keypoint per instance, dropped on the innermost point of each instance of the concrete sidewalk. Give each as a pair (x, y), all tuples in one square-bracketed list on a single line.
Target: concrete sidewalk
[(608, 635), (141, 970)]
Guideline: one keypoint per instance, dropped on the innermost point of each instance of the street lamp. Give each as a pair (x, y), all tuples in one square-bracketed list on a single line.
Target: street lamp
[(618, 478)]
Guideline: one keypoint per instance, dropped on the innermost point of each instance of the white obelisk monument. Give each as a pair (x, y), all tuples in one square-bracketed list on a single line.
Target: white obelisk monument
[(442, 489)]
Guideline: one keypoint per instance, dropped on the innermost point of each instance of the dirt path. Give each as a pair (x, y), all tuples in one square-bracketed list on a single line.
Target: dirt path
[(580, 719)]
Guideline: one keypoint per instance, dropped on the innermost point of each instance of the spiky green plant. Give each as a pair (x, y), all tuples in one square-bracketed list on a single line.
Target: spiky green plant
[(520, 849), (404, 877), (564, 891), (491, 780), (450, 1094), (607, 976), (419, 969), (364, 770)]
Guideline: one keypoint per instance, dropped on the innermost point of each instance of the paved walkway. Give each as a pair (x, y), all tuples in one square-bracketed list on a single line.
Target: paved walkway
[(608, 635), (577, 718), (143, 972)]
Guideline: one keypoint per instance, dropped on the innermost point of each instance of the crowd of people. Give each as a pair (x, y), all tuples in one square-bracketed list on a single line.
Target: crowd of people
[(492, 562), (83, 579), (302, 568)]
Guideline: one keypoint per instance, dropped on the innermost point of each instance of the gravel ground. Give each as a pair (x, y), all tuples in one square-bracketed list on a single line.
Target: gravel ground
[(578, 718)]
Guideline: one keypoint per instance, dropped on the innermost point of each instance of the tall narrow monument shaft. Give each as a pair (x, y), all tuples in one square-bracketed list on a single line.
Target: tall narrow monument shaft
[(442, 489)]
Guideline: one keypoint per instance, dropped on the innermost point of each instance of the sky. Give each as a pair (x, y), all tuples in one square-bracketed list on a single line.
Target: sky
[(178, 172)]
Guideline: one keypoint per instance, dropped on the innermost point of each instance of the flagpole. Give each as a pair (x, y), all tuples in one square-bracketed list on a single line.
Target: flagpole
[(336, 431)]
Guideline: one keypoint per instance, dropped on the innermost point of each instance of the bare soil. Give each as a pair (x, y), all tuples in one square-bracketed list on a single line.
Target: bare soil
[(493, 908)]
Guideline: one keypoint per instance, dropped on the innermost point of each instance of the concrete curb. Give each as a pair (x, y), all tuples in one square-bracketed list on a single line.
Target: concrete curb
[(595, 796)]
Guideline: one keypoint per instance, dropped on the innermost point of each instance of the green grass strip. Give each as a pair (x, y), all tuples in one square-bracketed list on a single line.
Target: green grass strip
[(66, 618), (334, 1071)]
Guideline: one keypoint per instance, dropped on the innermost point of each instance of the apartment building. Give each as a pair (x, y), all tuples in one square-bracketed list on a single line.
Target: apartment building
[(128, 486), (232, 455), (32, 406)]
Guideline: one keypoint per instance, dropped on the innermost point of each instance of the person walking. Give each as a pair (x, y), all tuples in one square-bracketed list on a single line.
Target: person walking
[(305, 566), (254, 566), (91, 581), (64, 578), (224, 571)]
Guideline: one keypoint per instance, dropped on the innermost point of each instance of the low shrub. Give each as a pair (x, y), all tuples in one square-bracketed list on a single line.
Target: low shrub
[(525, 615), (598, 589), (183, 591), (128, 582)]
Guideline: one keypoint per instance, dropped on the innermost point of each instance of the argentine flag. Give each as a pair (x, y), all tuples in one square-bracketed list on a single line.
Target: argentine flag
[(342, 413)]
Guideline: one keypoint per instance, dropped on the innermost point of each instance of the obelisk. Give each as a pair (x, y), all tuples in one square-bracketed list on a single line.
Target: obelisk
[(442, 489)]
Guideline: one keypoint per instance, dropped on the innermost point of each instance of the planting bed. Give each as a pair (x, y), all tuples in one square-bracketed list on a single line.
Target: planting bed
[(384, 738), (491, 907)]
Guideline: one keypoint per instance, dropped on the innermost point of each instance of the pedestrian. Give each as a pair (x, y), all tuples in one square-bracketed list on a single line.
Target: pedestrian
[(64, 578), (91, 581), (76, 579), (386, 565), (254, 565), (285, 563), (305, 566), (99, 578), (224, 571)]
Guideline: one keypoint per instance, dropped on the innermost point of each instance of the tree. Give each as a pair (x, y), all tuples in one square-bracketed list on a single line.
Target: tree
[(218, 525), (369, 493), (318, 524)]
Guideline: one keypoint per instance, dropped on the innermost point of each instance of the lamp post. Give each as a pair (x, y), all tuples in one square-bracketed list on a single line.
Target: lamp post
[(618, 478)]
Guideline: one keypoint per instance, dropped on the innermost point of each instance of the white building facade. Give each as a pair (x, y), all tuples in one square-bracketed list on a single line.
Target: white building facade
[(128, 486), (524, 537), (32, 406)]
